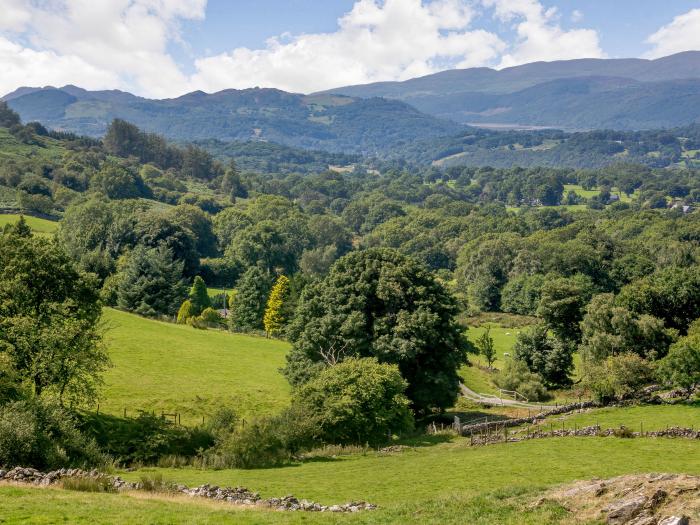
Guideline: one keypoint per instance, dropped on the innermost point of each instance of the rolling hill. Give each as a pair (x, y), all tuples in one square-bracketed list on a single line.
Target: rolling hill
[(568, 94), (328, 122)]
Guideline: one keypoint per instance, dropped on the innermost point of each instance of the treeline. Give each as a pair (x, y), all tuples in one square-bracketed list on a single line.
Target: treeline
[(554, 148)]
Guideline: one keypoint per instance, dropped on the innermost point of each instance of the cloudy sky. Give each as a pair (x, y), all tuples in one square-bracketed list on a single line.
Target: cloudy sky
[(164, 48)]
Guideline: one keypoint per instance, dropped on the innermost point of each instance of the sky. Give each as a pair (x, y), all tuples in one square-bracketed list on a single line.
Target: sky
[(165, 48)]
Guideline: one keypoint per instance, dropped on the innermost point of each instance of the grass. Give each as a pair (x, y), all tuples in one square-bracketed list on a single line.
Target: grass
[(40, 226), (446, 482), (645, 417), (178, 369)]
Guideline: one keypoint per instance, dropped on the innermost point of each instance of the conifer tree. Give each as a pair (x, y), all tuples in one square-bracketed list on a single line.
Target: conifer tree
[(185, 312), (251, 296), (199, 296), (274, 318)]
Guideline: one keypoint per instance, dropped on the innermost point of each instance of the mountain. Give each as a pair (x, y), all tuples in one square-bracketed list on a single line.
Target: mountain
[(574, 94), (328, 122)]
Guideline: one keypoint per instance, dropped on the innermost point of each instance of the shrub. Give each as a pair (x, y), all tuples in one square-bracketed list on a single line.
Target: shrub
[(517, 376), (617, 377), (265, 442), (211, 317), (43, 435), (357, 401), (185, 312)]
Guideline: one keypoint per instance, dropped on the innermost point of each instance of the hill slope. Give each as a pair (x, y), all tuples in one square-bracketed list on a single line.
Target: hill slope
[(585, 93), (333, 123), (174, 368)]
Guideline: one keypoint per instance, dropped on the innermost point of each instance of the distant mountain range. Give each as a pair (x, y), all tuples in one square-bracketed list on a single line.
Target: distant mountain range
[(570, 94), (373, 119), (328, 122)]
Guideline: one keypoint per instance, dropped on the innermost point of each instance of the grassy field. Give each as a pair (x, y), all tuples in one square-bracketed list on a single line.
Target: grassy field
[(447, 482), (40, 226), (578, 189), (636, 418), (173, 368)]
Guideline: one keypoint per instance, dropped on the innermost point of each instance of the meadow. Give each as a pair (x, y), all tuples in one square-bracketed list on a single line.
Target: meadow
[(160, 366), (39, 226), (432, 482)]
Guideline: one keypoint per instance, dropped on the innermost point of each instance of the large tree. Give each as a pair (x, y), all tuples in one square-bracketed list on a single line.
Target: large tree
[(149, 282), (379, 303), (49, 316)]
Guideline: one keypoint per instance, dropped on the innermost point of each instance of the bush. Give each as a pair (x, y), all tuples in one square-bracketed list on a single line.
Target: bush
[(185, 312), (145, 439), (517, 376), (265, 442), (617, 377), (357, 401), (156, 483), (44, 436)]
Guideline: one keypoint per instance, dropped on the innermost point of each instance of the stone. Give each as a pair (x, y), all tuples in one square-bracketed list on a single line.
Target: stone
[(623, 511), (675, 520)]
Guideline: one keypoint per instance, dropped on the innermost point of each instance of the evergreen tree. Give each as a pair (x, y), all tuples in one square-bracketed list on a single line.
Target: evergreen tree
[(199, 296), (249, 305), (185, 312), (275, 317), (151, 282), (20, 228)]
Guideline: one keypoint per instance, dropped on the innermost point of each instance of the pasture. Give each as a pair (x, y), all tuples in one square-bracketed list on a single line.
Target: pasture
[(160, 366), (433, 482)]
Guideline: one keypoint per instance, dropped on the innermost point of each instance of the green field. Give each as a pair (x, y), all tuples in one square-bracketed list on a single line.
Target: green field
[(436, 483), (178, 369), (578, 189), (40, 226), (636, 418)]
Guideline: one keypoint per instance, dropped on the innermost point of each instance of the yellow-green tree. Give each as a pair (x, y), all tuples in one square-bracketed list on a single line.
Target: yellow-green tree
[(274, 318)]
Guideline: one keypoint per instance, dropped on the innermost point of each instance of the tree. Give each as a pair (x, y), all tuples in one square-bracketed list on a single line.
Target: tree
[(276, 315), (379, 303), (561, 305), (250, 300), (484, 344), (150, 282), (185, 312), (200, 224), (357, 401), (49, 319), (117, 182), (516, 376), (155, 229), (681, 367), (609, 329), (617, 377), (548, 356), (199, 296), (521, 295), (8, 118), (671, 294)]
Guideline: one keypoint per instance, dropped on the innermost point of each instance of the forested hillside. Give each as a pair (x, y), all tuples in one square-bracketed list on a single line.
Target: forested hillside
[(333, 123)]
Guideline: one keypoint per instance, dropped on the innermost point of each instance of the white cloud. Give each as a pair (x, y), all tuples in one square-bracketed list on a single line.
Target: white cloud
[(123, 44), (104, 43), (540, 36), (395, 40), (682, 34), (576, 16)]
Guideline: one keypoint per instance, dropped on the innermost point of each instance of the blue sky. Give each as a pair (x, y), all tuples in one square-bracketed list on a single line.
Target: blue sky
[(163, 48)]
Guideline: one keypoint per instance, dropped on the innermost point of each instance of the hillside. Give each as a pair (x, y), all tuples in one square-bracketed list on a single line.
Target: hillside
[(576, 94), (333, 123), (178, 369)]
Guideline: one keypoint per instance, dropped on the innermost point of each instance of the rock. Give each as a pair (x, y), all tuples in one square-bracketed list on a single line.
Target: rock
[(675, 520), (623, 511)]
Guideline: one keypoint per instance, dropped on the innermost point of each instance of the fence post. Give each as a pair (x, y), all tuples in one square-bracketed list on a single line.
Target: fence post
[(124, 412), (98, 409), (505, 433)]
